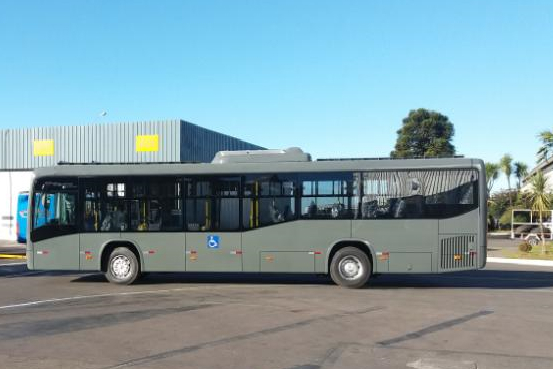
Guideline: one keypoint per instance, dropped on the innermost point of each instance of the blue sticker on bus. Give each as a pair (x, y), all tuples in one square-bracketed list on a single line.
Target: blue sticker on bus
[(212, 242)]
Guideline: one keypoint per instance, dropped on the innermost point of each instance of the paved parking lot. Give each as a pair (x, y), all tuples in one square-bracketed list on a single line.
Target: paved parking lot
[(500, 317)]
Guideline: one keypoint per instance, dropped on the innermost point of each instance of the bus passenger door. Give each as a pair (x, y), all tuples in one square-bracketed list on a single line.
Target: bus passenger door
[(214, 240)]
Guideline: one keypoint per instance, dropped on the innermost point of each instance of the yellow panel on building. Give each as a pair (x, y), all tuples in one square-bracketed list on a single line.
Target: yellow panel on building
[(146, 143), (43, 148)]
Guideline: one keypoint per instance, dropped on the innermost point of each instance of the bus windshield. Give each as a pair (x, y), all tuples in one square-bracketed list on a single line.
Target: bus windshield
[(54, 209)]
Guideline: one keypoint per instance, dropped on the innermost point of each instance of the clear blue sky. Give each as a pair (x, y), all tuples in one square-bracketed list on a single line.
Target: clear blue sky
[(334, 77)]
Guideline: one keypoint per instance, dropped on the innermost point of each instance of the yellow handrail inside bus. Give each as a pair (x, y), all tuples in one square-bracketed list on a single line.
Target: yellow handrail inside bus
[(207, 215), (256, 204), (251, 214)]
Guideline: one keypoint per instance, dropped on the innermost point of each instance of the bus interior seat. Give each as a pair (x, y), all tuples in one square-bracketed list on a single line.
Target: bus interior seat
[(398, 209), (414, 206), (369, 209)]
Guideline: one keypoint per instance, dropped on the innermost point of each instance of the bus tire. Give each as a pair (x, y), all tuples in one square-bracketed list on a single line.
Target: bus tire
[(350, 267), (123, 266)]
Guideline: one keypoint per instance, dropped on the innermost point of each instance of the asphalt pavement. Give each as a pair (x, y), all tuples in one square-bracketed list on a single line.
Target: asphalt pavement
[(499, 317)]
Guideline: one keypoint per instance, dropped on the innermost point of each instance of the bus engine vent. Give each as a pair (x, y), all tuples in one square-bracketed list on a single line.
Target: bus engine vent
[(458, 252)]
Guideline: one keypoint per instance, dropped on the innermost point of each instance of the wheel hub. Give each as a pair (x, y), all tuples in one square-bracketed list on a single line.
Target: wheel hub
[(121, 266), (350, 268)]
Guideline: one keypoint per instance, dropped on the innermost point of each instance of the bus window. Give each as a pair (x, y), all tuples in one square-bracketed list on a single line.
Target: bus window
[(456, 194), (226, 214), (92, 211), (418, 194), (268, 199), (54, 209), (328, 196), (155, 205), (105, 207), (198, 205)]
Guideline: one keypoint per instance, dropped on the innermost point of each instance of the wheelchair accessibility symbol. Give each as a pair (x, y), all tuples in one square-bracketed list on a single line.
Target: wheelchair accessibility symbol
[(212, 242)]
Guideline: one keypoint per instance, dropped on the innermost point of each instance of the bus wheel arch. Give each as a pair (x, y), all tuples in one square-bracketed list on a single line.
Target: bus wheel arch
[(127, 253), (353, 252)]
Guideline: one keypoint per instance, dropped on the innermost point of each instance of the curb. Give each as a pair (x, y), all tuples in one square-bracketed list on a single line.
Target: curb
[(13, 256), (547, 263)]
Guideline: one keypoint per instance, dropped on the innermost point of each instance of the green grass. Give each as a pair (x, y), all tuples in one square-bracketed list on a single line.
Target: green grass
[(535, 254)]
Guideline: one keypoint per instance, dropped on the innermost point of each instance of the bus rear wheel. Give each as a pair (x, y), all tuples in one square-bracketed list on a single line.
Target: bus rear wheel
[(123, 267), (350, 267)]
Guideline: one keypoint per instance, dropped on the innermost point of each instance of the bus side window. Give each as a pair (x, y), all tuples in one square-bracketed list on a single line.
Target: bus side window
[(198, 205), (329, 196), (105, 205), (268, 199)]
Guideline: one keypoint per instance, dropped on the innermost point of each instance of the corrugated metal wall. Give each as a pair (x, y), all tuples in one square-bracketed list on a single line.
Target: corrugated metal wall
[(116, 142), (200, 144)]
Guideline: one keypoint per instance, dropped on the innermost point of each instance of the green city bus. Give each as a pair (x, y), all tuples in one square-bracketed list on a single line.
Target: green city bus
[(260, 211)]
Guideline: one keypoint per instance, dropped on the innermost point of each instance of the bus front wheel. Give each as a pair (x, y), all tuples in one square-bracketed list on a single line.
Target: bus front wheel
[(350, 267), (123, 267)]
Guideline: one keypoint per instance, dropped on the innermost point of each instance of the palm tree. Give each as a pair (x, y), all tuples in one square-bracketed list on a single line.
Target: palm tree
[(506, 165), (492, 172), (545, 150), (540, 199), (521, 171)]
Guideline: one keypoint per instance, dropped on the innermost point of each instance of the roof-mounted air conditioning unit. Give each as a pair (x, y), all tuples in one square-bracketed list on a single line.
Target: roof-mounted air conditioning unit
[(293, 154)]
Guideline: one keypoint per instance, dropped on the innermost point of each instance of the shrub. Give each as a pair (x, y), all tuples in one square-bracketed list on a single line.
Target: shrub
[(505, 218), (525, 247)]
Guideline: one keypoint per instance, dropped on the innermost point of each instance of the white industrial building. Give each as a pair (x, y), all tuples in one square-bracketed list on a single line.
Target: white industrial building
[(546, 167), (11, 184)]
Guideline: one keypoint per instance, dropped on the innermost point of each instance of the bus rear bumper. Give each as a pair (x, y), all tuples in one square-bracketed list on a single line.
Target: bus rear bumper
[(482, 256)]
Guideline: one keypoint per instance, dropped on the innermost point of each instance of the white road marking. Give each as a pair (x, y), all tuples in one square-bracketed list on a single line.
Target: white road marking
[(492, 259), (82, 297), (495, 278), (9, 264), (438, 363)]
